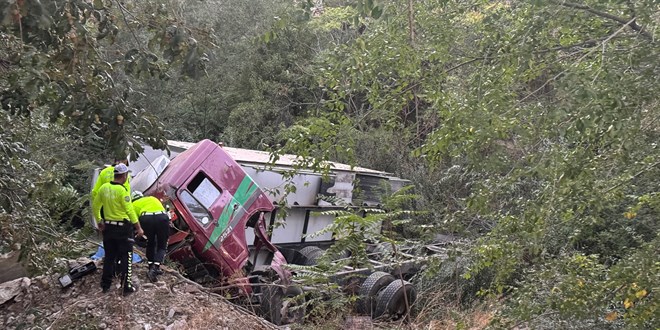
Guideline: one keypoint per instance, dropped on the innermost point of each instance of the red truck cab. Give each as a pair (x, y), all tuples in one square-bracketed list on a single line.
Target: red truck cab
[(214, 200)]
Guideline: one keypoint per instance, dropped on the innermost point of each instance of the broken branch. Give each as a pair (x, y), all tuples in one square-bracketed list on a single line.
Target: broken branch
[(207, 291)]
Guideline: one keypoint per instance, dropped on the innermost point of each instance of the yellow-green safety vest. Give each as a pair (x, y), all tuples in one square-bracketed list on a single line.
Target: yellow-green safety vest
[(107, 175), (147, 204), (116, 202)]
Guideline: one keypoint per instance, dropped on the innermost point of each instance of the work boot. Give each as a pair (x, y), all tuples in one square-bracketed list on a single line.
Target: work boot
[(151, 274), (158, 270), (128, 291)]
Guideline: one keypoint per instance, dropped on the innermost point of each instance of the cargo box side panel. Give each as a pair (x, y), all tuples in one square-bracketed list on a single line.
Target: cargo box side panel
[(315, 224), (273, 184), (291, 229)]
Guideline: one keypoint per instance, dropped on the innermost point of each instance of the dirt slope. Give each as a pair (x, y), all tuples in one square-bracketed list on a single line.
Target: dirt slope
[(168, 304)]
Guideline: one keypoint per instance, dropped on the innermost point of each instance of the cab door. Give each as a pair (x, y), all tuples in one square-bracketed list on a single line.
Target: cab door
[(214, 210)]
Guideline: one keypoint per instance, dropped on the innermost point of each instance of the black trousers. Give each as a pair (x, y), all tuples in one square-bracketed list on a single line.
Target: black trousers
[(118, 247), (157, 229)]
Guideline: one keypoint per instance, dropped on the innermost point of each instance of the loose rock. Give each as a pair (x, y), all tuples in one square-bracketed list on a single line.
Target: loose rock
[(178, 325), (11, 289)]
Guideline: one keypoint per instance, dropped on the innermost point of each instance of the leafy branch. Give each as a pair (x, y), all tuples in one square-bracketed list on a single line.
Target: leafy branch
[(621, 20)]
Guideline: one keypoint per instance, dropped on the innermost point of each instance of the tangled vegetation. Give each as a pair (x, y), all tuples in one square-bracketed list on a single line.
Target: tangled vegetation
[(530, 128)]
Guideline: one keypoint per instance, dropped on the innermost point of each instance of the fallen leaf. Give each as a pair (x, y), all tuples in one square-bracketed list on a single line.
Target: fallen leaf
[(627, 303), (641, 294), (611, 316)]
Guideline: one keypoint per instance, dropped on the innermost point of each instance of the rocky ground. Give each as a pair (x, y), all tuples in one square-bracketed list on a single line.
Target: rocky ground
[(172, 303)]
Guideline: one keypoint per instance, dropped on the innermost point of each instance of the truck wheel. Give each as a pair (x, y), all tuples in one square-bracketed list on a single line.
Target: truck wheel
[(343, 255), (311, 255), (293, 310), (277, 305), (392, 300), (370, 288)]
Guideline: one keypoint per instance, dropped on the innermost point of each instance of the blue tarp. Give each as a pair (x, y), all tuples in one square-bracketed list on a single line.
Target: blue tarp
[(100, 253)]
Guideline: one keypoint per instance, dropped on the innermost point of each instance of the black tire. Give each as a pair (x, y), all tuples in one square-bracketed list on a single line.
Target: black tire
[(311, 254), (293, 315), (270, 303), (370, 288), (343, 255), (392, 300), (274, 301)]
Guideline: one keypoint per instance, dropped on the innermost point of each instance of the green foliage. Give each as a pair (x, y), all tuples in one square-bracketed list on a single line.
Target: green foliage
[(578, 288), (52, 52), (332, 18), (353, 229), (252, 86), (529, 127), (539, 120), (35, 206), (66, 100)]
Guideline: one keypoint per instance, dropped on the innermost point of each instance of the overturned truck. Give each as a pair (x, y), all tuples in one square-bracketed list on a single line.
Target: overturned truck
[(222, 203)]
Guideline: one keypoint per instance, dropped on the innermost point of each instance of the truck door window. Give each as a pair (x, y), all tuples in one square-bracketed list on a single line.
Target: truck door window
[(204, 190), (198, 211), (199, 197)]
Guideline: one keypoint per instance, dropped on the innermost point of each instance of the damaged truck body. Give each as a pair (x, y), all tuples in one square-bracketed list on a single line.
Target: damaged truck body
[(223, 204)]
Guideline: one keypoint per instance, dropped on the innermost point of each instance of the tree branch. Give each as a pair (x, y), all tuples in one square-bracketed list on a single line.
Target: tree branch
[(589, 43), (623, 21), (411, 22), (19, 4), (128, 26), (578, 61), (237, 308), (648, 168), (464, 63)]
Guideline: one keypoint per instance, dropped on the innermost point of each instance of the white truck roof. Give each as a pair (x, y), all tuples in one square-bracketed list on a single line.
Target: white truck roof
[(258, 157)]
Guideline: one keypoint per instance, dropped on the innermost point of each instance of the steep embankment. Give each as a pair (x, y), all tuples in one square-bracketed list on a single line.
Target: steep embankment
[(172, 303)]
